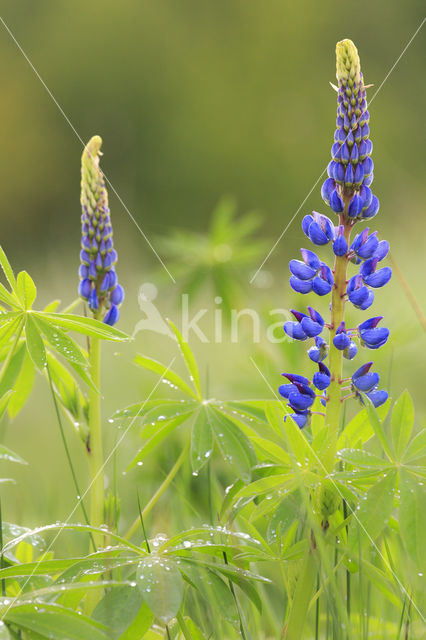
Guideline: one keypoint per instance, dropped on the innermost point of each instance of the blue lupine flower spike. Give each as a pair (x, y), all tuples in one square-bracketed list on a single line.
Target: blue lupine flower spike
[(347, 191), (98, 279)]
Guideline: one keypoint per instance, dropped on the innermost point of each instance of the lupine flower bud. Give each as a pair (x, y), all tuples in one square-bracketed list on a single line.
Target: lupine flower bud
[(98, 279)]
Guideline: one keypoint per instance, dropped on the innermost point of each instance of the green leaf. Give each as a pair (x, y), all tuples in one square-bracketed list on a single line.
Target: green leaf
[(4, 402), (167, 426), (26, 289), (201, 441), (7, 269), (417, 447), (22, 387), (35, 343), (215, 591), (378, 427), (86, 326), (361, 458), (14, 367), (359, 429), (10, 456), (8, 298), (117, 607), (374, 511), (234, 445), (140, 624), (412, 518), (55, 622), (295, 439), (61, 342), (160, 583), (189, 359), (4, 632), (167, 374), (402, 423)]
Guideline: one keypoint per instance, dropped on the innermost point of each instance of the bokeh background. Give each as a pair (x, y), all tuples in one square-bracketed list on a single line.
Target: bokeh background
[(194, 100)]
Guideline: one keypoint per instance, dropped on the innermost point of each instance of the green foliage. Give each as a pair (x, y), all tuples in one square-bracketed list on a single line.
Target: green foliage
[(220, 257)]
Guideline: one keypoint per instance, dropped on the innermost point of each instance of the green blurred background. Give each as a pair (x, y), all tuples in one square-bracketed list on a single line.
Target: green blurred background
[(193, 100)]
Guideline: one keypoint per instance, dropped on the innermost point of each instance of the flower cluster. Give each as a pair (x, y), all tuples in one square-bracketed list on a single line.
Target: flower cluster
[(98, 279), (347, 192), (350, 172)]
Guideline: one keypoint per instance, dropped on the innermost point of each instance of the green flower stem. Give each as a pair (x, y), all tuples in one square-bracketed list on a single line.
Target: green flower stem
[(94, 449), (302, 596), (332, 416)]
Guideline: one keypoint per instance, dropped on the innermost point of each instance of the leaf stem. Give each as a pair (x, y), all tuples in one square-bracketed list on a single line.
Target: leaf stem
[(161, 489)]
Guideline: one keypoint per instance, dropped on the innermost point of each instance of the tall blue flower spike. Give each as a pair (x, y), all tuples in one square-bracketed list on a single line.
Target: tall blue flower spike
[(98, 279), (347, 191)]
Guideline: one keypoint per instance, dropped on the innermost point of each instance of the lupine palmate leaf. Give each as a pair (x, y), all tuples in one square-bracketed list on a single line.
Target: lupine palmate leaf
[(212, 588), (139, 625), (10, 456), (59, 340), (165, 427), (160, 582), (201, 440), (8, 271), (364, 459), (402, 423), (234, 445), (368, 521), (416, 448), (35, 343), (167, 374), (412, 517), (86, 326), (26, 289), (22, 387), (188, 356), (50, 621)]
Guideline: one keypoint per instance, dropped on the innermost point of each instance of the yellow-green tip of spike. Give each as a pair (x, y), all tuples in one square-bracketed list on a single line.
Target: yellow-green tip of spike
[(348, 67), (92, 149)]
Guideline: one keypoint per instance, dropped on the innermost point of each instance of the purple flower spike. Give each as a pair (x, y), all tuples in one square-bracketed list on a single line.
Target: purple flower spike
[(98, 254)]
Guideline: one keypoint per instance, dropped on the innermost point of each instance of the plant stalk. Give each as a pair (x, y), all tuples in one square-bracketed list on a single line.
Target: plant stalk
[(94, 448), (332, 415)]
